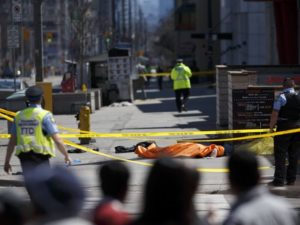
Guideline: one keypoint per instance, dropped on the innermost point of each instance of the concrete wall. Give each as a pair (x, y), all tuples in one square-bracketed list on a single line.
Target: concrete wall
[(266, 75), (253, 29), (63, 103), (70, 103)]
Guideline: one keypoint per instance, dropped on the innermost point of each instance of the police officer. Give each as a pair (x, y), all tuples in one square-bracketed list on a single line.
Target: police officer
[(180, 75), (34, 134), (286, 115)]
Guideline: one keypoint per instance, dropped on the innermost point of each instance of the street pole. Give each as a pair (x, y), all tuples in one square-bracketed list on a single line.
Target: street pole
[(13, 58), (38, 54), (22, 49), (209, 44), (13, 52)]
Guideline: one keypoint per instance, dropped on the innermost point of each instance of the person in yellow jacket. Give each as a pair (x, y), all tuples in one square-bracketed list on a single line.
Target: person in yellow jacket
[(34, 135), (180, 75)]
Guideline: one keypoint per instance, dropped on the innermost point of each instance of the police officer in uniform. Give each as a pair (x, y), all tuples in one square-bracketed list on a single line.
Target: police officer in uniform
[(286, 115), (180, 75), (34, 134)]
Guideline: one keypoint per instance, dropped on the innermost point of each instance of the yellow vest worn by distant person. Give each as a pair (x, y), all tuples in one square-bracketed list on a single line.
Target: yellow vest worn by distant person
[(180, 75), (30, 135)]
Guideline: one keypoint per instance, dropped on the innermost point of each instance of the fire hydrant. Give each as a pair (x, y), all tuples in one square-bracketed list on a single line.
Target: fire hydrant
[(84, 123)]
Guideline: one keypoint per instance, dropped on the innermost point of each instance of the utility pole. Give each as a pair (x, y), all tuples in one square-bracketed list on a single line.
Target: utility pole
[(14, 33), (209, 40), (38, 54)]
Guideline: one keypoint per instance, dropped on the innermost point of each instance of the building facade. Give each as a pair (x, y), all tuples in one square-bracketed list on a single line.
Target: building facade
[(195, 22), (253, 31), (264, 32)]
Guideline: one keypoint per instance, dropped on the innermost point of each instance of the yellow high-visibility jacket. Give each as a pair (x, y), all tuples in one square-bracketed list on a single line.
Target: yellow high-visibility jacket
[(180, 75), (29, 131)]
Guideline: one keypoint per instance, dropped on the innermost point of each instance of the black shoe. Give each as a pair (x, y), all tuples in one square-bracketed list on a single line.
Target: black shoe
[(290, 183), (76, 150), (184, 108), (122, 149), (275, 183)]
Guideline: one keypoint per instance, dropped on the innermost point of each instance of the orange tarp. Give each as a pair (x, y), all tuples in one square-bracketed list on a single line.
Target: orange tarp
[(179, 150)]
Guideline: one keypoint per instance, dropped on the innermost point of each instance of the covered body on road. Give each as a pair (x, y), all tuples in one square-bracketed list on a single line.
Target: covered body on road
[(194, 150)]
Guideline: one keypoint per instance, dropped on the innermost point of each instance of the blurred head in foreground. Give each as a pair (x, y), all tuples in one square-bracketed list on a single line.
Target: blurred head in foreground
[(243, 171), (114, 177), (54, 192), (169, 192)]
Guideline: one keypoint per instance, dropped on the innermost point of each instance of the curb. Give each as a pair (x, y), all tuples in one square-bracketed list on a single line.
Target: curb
[(286, 191), (8, 183)]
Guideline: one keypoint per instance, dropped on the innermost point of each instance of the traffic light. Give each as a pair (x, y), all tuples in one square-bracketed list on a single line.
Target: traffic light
[(49, 37)]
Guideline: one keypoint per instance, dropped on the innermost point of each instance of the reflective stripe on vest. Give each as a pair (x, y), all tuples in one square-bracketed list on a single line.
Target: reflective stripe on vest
[(30, 135)]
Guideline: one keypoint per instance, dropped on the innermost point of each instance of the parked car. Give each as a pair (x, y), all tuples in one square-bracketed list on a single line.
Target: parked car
[(11, 84), (12, 94)]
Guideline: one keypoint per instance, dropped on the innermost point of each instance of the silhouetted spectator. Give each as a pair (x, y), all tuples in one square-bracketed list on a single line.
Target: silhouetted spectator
[(68, 83), (7, 72), (169, 193), (57, 196), (11, 209), (254, 204), (113, 178), (160, 78)]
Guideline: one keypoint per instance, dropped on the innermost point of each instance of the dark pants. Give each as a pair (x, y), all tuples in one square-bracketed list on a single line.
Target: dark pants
[(185, 93), (159, 82), (286, 146), (30, 160)]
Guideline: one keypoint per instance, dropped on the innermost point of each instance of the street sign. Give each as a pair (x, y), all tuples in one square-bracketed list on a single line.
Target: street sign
[(16, 10), (13, 40)]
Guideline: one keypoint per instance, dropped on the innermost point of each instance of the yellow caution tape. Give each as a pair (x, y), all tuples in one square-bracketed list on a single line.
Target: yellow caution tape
[(93, 134), (104, 154), (206, 170), (6, 117), (4, 136), (154, 74), (224, 170), (89, 134), (162, 134), (126, 135), (209, 72), (291, 131), (7, 112)]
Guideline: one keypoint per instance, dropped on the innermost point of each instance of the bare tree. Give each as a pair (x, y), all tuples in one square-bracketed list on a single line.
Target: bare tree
[(87, 26), (83, 24), (164, 43)]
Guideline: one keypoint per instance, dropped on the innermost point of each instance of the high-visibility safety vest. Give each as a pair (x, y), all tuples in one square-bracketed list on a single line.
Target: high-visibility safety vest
[(30, 135), (180, 75)]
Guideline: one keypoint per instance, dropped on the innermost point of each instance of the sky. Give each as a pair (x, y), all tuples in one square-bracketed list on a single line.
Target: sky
[(155, 10)]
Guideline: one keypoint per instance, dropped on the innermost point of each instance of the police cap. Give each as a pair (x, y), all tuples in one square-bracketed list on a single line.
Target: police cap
[(34, 93), (179, 60)]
